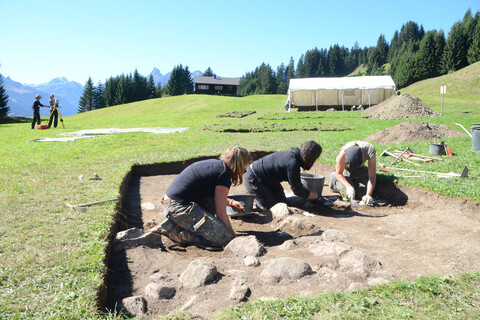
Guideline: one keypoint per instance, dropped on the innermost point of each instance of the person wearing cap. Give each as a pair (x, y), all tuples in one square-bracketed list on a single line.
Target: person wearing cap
[(264, 176), (53, 111), (36, 111), (352, 179)]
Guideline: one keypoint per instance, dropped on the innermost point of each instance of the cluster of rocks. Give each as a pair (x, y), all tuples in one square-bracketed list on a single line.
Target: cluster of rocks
[(330, 257)]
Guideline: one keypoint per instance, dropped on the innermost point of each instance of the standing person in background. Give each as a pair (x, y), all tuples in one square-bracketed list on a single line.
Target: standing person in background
[(53, 111), (36, 111), (352, 179), (263, 178), (195, 203)]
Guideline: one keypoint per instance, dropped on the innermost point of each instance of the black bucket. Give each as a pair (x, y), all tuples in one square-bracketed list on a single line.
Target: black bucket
[(476, 137), (437, 149)]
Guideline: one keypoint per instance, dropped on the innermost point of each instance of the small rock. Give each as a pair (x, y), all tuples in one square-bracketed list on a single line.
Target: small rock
[(376, 281), (148, 206), (251, 261), (135, 306), (356, 286), (158, 292), (288, 245), (189, 303)]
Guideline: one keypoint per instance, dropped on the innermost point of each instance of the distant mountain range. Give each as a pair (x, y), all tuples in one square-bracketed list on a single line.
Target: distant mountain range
[(158, 77), (21, 96)]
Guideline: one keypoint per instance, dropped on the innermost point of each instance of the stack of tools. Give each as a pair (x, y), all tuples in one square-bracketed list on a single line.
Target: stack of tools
[(408, 155)]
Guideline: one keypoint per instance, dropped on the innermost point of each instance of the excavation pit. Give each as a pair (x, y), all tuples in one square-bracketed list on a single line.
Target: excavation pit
[(412, 233)]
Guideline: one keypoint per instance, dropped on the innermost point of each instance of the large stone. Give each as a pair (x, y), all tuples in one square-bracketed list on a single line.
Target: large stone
[(157, 291), (285, 270), (357, 265), (239, 290), (246, 246), (198, 273), (135, 306), (297, 226), (280, 210), (134, 237), (334, 235), (329, 248)]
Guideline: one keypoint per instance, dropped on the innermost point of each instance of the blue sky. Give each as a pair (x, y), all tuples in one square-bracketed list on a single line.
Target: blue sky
[(42, 40)]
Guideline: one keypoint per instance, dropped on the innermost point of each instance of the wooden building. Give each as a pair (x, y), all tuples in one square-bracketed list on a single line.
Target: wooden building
[(216, 85)]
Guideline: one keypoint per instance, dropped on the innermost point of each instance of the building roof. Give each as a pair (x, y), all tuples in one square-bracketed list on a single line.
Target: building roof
[(217, 80)]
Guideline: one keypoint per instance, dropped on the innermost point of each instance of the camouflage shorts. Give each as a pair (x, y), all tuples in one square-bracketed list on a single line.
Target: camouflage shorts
[(199, 224)]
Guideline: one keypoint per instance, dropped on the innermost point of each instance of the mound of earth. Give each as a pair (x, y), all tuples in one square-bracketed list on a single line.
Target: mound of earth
[(404, 106), (414, 131)]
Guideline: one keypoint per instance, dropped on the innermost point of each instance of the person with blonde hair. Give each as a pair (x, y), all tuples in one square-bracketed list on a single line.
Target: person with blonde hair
[(263, 178), (195, 203)]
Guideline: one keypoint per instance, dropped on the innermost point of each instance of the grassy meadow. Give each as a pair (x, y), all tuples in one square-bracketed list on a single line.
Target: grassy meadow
[(52, 259)]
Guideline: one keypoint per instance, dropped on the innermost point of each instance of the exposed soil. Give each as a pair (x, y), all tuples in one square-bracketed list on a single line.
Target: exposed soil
[(414, 131), (412, 233), (403, 106)]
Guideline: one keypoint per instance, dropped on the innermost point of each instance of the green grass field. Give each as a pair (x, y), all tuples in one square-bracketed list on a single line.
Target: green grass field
[(52, 259)]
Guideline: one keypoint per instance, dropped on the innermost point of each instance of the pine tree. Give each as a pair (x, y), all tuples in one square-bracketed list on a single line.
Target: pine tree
[(290, 71), (158, 90), (99, 96), (473, 54), (455, 55), (150, 88), (427, 64), (86, 100), (4, 109), (208, 72), (300, 68), (180, 81)]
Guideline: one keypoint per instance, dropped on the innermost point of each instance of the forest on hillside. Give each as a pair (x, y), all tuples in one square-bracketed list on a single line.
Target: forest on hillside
[(413, 54)]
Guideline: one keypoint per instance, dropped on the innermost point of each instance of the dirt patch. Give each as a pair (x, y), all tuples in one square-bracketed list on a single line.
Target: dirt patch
[(414, 131), (412, 233), (236, 114), (403, 106)]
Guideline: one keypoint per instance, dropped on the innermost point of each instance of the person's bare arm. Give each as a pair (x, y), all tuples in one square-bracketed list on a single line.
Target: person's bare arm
[(340, 167), (372, 175), (221, 193)]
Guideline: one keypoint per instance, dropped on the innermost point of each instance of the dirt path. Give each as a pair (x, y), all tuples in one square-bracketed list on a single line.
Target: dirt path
[(415, 233)]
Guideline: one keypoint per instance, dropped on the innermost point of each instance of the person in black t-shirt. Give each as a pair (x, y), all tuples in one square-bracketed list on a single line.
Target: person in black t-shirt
[(195, 203), (36, 110), (263, 178)]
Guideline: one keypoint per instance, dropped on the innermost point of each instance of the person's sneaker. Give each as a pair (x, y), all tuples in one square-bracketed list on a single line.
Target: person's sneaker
[(164, 228), (331, 184)]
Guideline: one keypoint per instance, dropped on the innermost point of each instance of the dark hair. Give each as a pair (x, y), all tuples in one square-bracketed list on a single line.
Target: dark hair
[(310, 151)]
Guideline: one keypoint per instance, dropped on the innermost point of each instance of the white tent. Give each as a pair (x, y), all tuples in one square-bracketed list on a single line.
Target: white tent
[(350, 91)]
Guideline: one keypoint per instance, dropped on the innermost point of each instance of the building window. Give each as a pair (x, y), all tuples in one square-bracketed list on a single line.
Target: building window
[(230, 88), (220, 88), (202, 87)]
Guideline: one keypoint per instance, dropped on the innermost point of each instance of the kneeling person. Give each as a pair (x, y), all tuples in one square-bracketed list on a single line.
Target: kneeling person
[(263, 178), (352, 179), (195, 203)]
